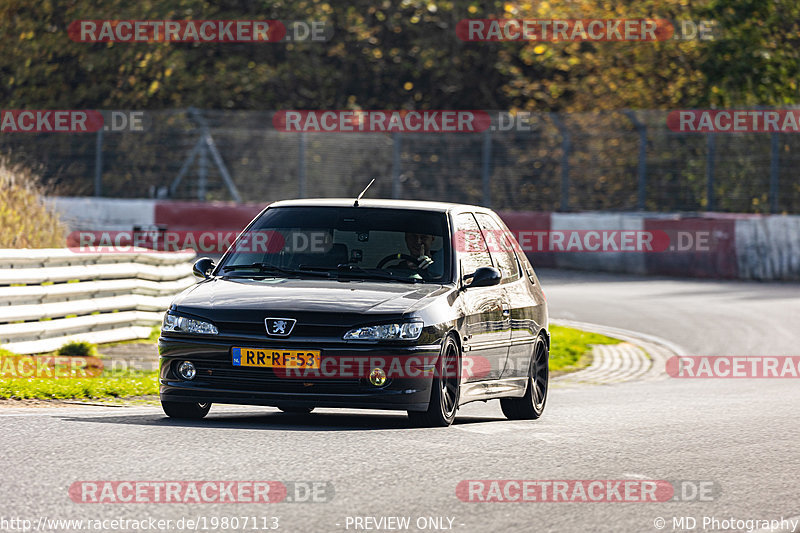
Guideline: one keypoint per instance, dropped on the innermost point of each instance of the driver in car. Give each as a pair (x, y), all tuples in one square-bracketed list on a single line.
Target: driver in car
[(419, 247)]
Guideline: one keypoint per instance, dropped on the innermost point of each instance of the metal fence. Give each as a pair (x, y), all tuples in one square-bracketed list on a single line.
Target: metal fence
[(625, 160)]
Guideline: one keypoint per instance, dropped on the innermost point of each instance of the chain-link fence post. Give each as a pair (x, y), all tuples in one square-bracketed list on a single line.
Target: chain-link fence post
[(566, 146), (774, 170), (98, 164), (202, 172), (641, 128), (710, 161), (486, 163), (396, 147), (301, 166)]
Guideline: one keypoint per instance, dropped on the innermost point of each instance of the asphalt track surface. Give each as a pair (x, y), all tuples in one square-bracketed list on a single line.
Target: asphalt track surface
[(741, 435)]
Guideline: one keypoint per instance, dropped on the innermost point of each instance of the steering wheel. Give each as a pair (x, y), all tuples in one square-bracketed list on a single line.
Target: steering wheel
[(397, 257)]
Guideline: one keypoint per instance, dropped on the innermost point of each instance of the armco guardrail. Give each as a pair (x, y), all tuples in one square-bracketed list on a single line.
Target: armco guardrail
[(49, 297)]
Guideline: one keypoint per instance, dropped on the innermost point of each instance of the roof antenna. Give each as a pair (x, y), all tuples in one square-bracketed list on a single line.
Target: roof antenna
[(355, 204)]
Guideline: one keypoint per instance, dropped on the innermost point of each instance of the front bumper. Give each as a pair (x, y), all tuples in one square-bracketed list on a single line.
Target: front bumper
[(219, 381)]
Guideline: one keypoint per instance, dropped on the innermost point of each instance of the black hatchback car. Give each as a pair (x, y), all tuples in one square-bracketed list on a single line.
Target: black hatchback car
[(415, 306)]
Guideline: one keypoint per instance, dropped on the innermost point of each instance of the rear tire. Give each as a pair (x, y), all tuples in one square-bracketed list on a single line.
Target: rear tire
[(185, 410), (531, 406), (445, 389)]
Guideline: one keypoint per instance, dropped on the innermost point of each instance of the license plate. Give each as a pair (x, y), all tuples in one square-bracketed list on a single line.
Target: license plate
[(271, 358)]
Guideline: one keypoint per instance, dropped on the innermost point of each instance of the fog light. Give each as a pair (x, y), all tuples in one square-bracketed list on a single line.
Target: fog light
[(377, 377), (187, 371)]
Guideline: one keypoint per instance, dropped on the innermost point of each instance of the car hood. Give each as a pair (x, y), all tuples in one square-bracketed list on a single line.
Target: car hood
[(221, 296)]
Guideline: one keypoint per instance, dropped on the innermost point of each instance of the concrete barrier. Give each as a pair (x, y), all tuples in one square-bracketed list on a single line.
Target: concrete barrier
[(606, 261), (112, 214), (768, 248), (49, 297)]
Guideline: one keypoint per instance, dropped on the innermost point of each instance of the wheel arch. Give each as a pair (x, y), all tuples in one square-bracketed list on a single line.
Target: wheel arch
[(544, 332)]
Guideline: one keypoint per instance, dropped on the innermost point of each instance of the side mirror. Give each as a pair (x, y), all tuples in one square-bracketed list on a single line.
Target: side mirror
[(203, 267), (485, 277)]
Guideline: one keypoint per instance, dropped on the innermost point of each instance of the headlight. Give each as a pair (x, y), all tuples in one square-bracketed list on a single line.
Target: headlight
[(182, 324), (404, 331)]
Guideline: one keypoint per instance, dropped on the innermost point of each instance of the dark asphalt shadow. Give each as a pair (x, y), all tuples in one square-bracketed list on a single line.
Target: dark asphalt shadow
[(276, 421)]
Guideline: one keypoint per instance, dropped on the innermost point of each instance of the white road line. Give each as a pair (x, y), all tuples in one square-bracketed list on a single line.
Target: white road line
[(623, 362), (612, 364), (625, 334), (70, 411)]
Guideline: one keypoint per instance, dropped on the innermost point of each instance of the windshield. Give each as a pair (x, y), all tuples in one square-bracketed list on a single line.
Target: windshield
[(344, 242)]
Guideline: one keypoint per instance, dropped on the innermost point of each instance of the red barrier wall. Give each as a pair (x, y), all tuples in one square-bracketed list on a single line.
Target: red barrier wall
[(205, 215), (527, 221), (718, 262)]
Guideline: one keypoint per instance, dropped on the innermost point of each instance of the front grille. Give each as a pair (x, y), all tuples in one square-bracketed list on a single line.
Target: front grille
[(300, 330), (222, 374)]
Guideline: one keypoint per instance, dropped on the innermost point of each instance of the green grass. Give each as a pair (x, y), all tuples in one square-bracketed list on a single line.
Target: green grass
[(570, 349), (78, 349), (155, 332), (6, 353), (110, 384)]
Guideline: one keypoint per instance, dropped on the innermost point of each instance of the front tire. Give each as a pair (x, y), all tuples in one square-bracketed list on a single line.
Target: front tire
[(445, 390), (531, 406), (185, 410)]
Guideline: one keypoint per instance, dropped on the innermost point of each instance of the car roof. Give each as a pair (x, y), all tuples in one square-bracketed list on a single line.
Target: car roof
[(417, 205)]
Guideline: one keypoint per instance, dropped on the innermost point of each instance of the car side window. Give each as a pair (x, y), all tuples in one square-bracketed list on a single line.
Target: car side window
[(526, 266), (470, 246), (500, 246)]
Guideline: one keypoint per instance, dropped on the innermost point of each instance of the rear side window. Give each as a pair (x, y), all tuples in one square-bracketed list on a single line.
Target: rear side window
[(470, 246), (500, 246)]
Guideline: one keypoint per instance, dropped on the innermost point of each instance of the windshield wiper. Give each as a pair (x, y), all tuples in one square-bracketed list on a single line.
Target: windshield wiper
[(346, 270), (268, 268)]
